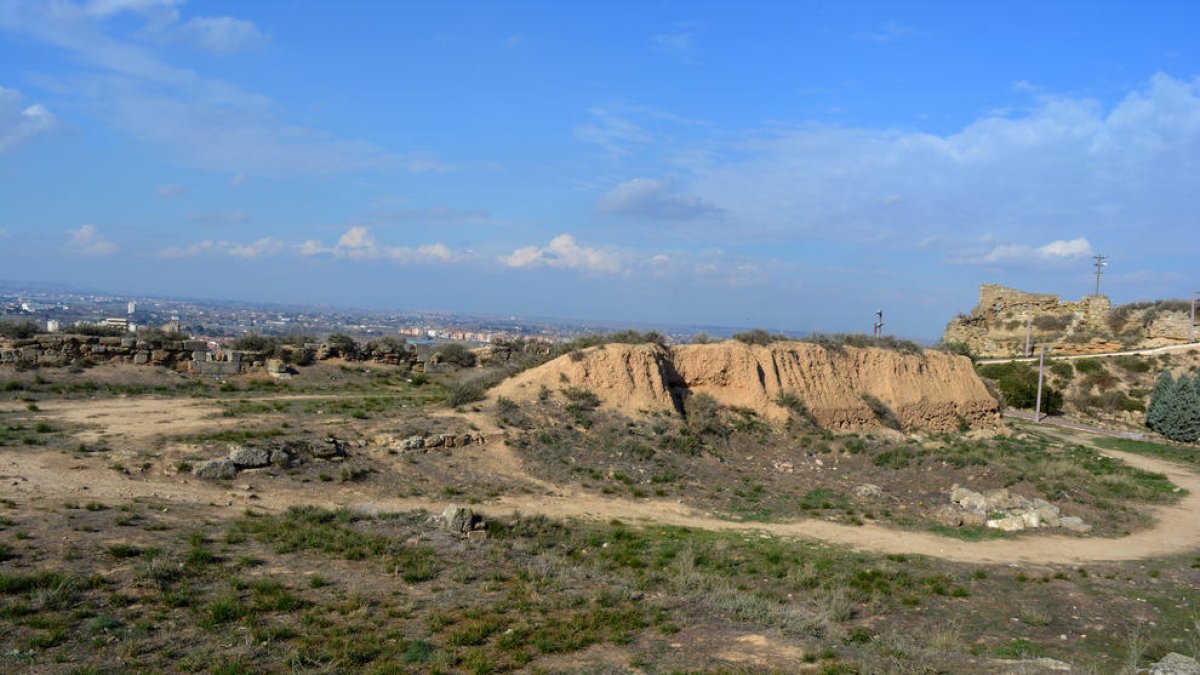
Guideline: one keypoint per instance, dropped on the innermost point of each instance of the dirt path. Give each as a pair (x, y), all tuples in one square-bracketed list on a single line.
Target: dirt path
[(38, 475)]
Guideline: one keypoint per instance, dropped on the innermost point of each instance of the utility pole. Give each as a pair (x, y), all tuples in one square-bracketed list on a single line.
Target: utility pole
[(1099, 270), (1192, 324), (1028, 329), (878, 323), (1037, 412)]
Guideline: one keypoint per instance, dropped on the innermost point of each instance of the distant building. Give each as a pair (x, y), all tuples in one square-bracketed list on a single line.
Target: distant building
[(172, 327), (52, 326), (132, 308), (114, 322)]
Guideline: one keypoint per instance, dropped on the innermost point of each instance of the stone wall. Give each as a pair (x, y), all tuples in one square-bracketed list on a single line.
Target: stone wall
[(996, 327), (190, 356)]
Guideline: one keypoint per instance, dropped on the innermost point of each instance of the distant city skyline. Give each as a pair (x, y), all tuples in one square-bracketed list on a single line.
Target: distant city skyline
[(787, 165)]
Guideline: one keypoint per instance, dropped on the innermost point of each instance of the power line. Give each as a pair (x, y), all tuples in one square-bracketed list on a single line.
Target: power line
[(1099, 269)]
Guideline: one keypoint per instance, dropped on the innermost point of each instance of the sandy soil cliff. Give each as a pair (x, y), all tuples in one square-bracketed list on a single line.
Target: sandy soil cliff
[(931, 391)]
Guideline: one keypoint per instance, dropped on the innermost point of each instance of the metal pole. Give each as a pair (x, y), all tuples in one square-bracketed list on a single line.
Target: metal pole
[(1192, 325), (1099, 270), (1037, 412), (1028, 329)]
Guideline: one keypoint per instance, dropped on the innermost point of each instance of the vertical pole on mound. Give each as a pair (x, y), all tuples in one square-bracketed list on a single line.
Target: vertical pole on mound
[(1037, 412), (1028, 329)]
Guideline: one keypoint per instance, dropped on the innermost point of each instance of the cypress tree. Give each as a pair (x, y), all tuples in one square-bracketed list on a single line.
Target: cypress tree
[(1181, 414), (1160, 400)]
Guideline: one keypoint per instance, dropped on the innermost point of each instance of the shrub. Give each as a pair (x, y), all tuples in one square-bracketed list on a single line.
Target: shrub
[(1063, 369), (456, 354), (883, 413), (18, 330), (1089, 366), (345, 345), (703, 415), (959, 348), (1048, 322), (758, 336), (1017, 383), (838, 341)]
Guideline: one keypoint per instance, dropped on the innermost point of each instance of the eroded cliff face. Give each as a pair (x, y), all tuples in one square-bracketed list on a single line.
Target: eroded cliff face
[(934, 391)]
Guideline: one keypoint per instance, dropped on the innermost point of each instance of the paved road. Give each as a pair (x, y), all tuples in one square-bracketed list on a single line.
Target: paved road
[(1077, 426), (1128, 352)]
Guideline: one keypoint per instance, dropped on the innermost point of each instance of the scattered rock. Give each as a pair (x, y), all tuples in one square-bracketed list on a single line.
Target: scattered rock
[(1074, 524), (1175, 664), (249, 457), (1012, 512), (461, 519), (413, 443), (949, 516), (868, 491), (216, 469), (784, 467), (1007, 524)]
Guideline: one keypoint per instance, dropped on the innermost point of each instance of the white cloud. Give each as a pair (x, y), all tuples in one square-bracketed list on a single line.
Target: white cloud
[(170, 191), (564, 252), (237, 180), (19, 122), (1067, 166), (357, 243), (87, 240), (654, 199), (1059, 251), (222, 34), (614, 133), (256, 249), (198, 121)]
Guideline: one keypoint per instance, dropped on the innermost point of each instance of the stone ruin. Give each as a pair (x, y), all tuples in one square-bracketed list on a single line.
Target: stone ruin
[(186, 356), (996, 327)]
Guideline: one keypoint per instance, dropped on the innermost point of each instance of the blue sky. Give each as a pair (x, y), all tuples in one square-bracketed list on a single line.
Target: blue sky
[(786, 164)]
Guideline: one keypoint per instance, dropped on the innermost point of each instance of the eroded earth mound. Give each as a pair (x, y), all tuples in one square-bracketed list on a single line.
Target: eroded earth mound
[(934, 390)]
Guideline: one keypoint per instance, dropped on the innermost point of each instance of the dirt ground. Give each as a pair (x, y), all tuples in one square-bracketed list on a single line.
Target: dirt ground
[(70, 461)]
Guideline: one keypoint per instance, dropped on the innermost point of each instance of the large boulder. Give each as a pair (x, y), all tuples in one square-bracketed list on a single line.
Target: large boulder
[(460, 519), (248, 458), (216, 469), (1176, 664)]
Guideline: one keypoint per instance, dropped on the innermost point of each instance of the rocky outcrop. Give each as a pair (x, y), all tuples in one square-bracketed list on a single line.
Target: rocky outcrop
[(997, 326), (934, 390), (1175, 664), (1005, 511), (240, 457)]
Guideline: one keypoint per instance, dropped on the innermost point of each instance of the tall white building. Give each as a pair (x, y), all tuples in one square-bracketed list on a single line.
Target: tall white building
[(132, 307)]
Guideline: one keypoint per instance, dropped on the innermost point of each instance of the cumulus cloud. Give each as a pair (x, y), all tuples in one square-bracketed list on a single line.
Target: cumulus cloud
[(565, 253), (1066, 166), (19, 122), (357, 243), (87, 240), (1059, 251), (654, 199)]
